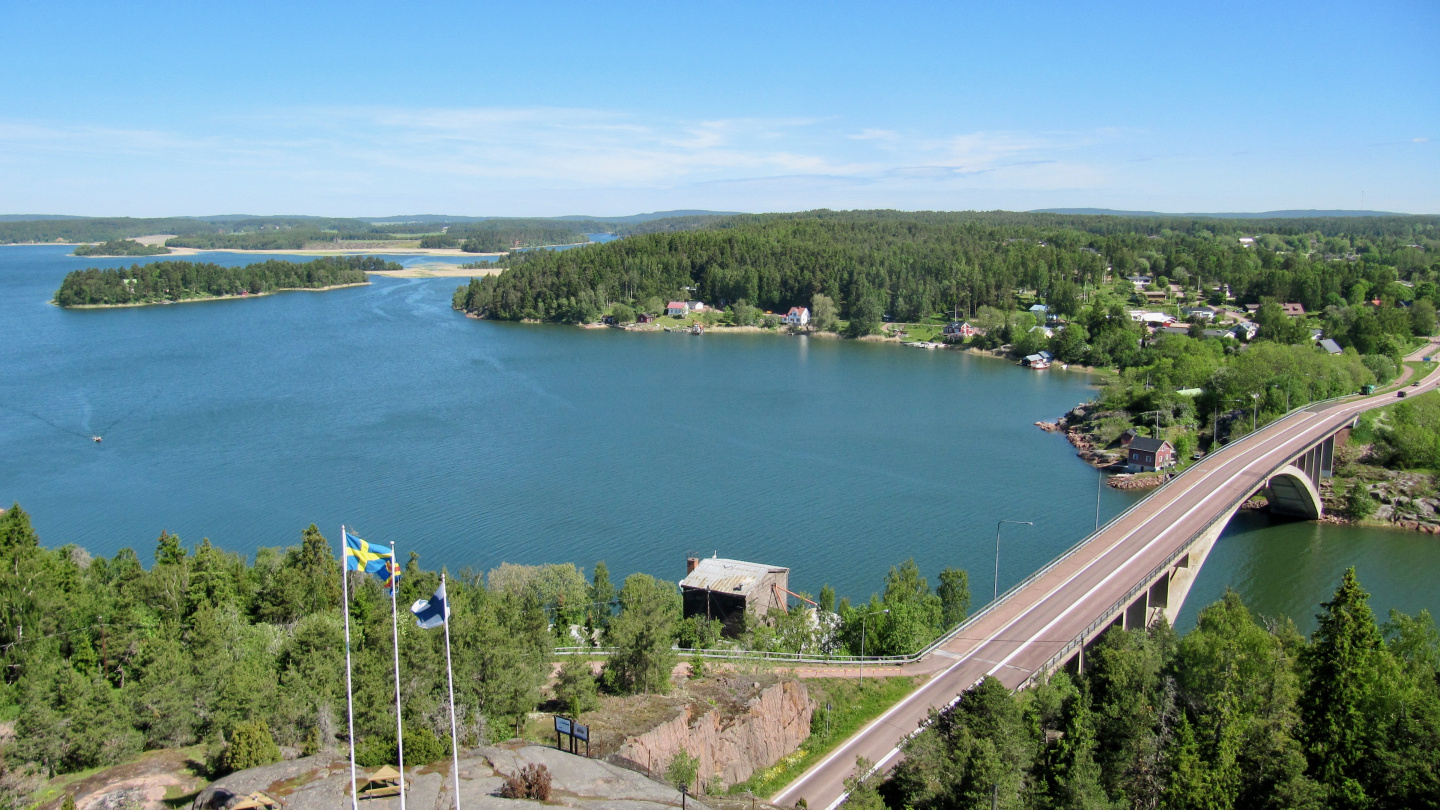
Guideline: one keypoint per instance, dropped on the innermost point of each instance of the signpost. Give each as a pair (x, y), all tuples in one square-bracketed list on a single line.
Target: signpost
[(576, 731)]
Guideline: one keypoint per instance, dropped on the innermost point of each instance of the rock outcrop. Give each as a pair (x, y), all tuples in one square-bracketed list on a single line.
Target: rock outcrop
[(730, 746)]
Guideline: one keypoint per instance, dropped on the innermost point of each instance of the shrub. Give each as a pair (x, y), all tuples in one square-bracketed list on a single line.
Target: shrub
[(1358, 503), (576, 689), (422, 747), (250, 747), (683, 770), (372, 752), (532, 782)]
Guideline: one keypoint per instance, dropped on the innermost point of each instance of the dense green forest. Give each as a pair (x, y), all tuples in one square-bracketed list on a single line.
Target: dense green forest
[(105, 658), (911, 266), (121, 247), (1241, 712), (162, 281)]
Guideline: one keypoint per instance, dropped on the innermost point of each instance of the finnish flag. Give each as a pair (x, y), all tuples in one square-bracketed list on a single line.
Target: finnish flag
[(432, 612)]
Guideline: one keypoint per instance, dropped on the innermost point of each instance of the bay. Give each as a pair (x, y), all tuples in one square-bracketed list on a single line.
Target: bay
[(472, 443)]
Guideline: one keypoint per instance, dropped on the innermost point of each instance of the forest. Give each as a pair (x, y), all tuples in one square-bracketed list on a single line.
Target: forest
[(105, 658), (1240, 712), (162, 281), (121, 247), (909, 266)]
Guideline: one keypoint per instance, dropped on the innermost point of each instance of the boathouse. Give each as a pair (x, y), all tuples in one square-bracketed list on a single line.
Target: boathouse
[(723, 589)]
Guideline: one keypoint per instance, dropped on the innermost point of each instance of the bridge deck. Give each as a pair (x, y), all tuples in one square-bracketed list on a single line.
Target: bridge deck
[(1029, 625)]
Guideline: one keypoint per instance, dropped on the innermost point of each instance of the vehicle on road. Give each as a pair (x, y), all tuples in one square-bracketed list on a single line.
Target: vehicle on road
[(1367, 389), (1400, 394)]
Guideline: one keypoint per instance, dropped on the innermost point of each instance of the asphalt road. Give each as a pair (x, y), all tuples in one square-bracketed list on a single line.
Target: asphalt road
[(1020, 634)]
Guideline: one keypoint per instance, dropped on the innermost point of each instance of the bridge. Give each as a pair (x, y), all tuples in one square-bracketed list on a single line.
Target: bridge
[(1129, 573)]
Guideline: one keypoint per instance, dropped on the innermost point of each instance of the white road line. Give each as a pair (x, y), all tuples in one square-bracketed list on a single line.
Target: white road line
[(1306, 416)]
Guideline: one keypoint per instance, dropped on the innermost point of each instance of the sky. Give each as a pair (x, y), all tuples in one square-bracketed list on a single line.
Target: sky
[(550, 109)]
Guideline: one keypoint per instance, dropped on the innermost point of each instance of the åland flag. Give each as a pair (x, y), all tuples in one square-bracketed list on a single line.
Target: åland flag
[(372, 559), (433, 612)]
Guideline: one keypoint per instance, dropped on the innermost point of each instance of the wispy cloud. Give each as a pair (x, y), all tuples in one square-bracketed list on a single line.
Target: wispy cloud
[(527, 151)]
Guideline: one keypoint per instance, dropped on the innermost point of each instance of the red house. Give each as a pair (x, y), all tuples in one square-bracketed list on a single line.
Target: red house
[(1150, 454)]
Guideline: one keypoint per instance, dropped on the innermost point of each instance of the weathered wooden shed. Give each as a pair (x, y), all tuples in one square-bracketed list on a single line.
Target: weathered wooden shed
[(728, 589)]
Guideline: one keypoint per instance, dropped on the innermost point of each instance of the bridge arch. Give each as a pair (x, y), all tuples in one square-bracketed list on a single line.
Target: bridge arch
[(1291, 491)]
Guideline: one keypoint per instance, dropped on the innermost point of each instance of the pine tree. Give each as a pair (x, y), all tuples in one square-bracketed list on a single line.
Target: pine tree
[(250, 746), (1341, 663)]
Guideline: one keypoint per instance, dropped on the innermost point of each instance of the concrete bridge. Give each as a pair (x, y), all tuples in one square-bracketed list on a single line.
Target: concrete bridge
[(1138, 567)]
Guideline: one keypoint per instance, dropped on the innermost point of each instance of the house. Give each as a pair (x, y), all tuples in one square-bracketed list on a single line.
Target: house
[(1038, 309), (1128, 436), (1331, 347), (1149, 454), (610, 320), (1155, 319), (727, 590), (677, 309), (1294, 310), (1246, 330), (1174, 330), (797, 316), (1044, 330), (1247, 241), (1252, 308), (956, 329), (1219, 333), (1203, 313), (1315, 334), (1140, 282), (695, 306), (644, 317)]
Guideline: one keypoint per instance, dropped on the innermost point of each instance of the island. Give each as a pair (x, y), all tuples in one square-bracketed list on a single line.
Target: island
[(121, 247), (167, 282)]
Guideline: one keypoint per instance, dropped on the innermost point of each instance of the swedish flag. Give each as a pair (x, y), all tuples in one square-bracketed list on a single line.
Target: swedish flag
[(372, 559)]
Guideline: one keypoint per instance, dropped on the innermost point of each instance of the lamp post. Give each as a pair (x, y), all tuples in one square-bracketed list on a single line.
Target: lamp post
[(863, 617), (996, 594), (1255, 417)]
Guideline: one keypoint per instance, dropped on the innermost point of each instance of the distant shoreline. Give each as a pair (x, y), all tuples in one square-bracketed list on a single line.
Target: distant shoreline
[(213, 297)]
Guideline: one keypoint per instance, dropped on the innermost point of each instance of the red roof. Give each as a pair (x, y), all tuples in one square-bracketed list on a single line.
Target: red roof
[(675, 305), (795, 311)]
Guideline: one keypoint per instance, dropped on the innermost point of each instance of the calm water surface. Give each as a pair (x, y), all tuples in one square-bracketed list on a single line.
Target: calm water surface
[(473, 443)]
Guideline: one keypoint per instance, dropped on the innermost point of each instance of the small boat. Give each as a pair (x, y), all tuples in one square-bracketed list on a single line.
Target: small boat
[(1040, 365), (97, 439)]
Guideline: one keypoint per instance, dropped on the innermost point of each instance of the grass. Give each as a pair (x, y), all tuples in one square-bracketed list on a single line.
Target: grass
[(851, 706), (1421, 369)]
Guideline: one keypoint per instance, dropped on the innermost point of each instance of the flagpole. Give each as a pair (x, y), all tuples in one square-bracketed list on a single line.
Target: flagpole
[(395, 628), (349, 695), (450, 676)]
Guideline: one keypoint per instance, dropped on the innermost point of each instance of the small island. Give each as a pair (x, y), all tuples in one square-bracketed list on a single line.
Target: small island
[(167, 282), (121, 247)]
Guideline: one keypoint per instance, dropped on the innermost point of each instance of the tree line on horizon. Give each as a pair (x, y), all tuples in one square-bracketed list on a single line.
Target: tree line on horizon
[(161, 281)]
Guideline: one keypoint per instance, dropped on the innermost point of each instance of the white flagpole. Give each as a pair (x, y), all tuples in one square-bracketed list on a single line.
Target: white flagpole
[(450, 675), (395, 628), (349, 695)]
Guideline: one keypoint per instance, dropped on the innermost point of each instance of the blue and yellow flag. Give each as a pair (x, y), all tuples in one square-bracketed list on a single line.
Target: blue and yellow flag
[(372, 559)]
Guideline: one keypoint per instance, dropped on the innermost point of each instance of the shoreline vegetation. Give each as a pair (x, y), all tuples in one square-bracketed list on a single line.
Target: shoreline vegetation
[(206, 647), (167, 282), (121, 247)]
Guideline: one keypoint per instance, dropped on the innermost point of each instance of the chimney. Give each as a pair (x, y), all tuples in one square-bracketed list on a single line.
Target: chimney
[(690, 563)]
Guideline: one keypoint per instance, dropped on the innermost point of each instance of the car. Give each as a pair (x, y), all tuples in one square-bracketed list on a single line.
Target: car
[(1400, 394), (1415, 384)]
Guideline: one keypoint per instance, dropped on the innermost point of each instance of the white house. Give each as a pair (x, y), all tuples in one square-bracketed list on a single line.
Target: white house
[(676, 308), (1044, 330), (1156, 319), (695, 306), (797, 316)]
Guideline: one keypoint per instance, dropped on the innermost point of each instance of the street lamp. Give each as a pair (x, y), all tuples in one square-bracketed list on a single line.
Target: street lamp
[(863, 617), (1287, 394), (1255, 418), (996, 594)]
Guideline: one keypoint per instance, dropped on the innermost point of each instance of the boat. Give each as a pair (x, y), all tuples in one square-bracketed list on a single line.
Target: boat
[(97, 439), (1040, 365)]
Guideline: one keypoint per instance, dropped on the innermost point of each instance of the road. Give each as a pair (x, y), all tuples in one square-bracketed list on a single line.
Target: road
[(1028, 626)]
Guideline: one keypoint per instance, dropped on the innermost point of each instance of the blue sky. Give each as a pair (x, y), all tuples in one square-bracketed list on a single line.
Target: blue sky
[(368, 109)]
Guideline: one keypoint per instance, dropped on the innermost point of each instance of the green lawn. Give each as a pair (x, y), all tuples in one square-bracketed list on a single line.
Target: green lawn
[(851, 706)]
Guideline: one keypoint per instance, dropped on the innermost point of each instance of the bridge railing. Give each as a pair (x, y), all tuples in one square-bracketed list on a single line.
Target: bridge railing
[(1108, 616)]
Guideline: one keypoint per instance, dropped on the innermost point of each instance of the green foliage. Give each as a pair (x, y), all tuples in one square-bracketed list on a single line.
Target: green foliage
[(1358, 502), (1234, 714), (121, 247), (376, 750), (1407, 435), (576, 690), (500, 235), (250, 746), (683, 770), (423, 747), (824, 315), (623, 314), (915, 616), (182, 281), (954, 593), (642, 635)]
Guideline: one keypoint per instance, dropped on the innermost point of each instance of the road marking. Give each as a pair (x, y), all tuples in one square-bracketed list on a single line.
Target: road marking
[(1304, 418)]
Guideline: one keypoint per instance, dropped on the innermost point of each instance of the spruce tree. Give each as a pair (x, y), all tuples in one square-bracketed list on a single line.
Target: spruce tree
[(1341, 664)]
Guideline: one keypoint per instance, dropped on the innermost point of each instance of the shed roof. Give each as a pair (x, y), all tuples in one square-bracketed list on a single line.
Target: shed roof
[(729, 576), (1145, 444), (1331, 346)]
